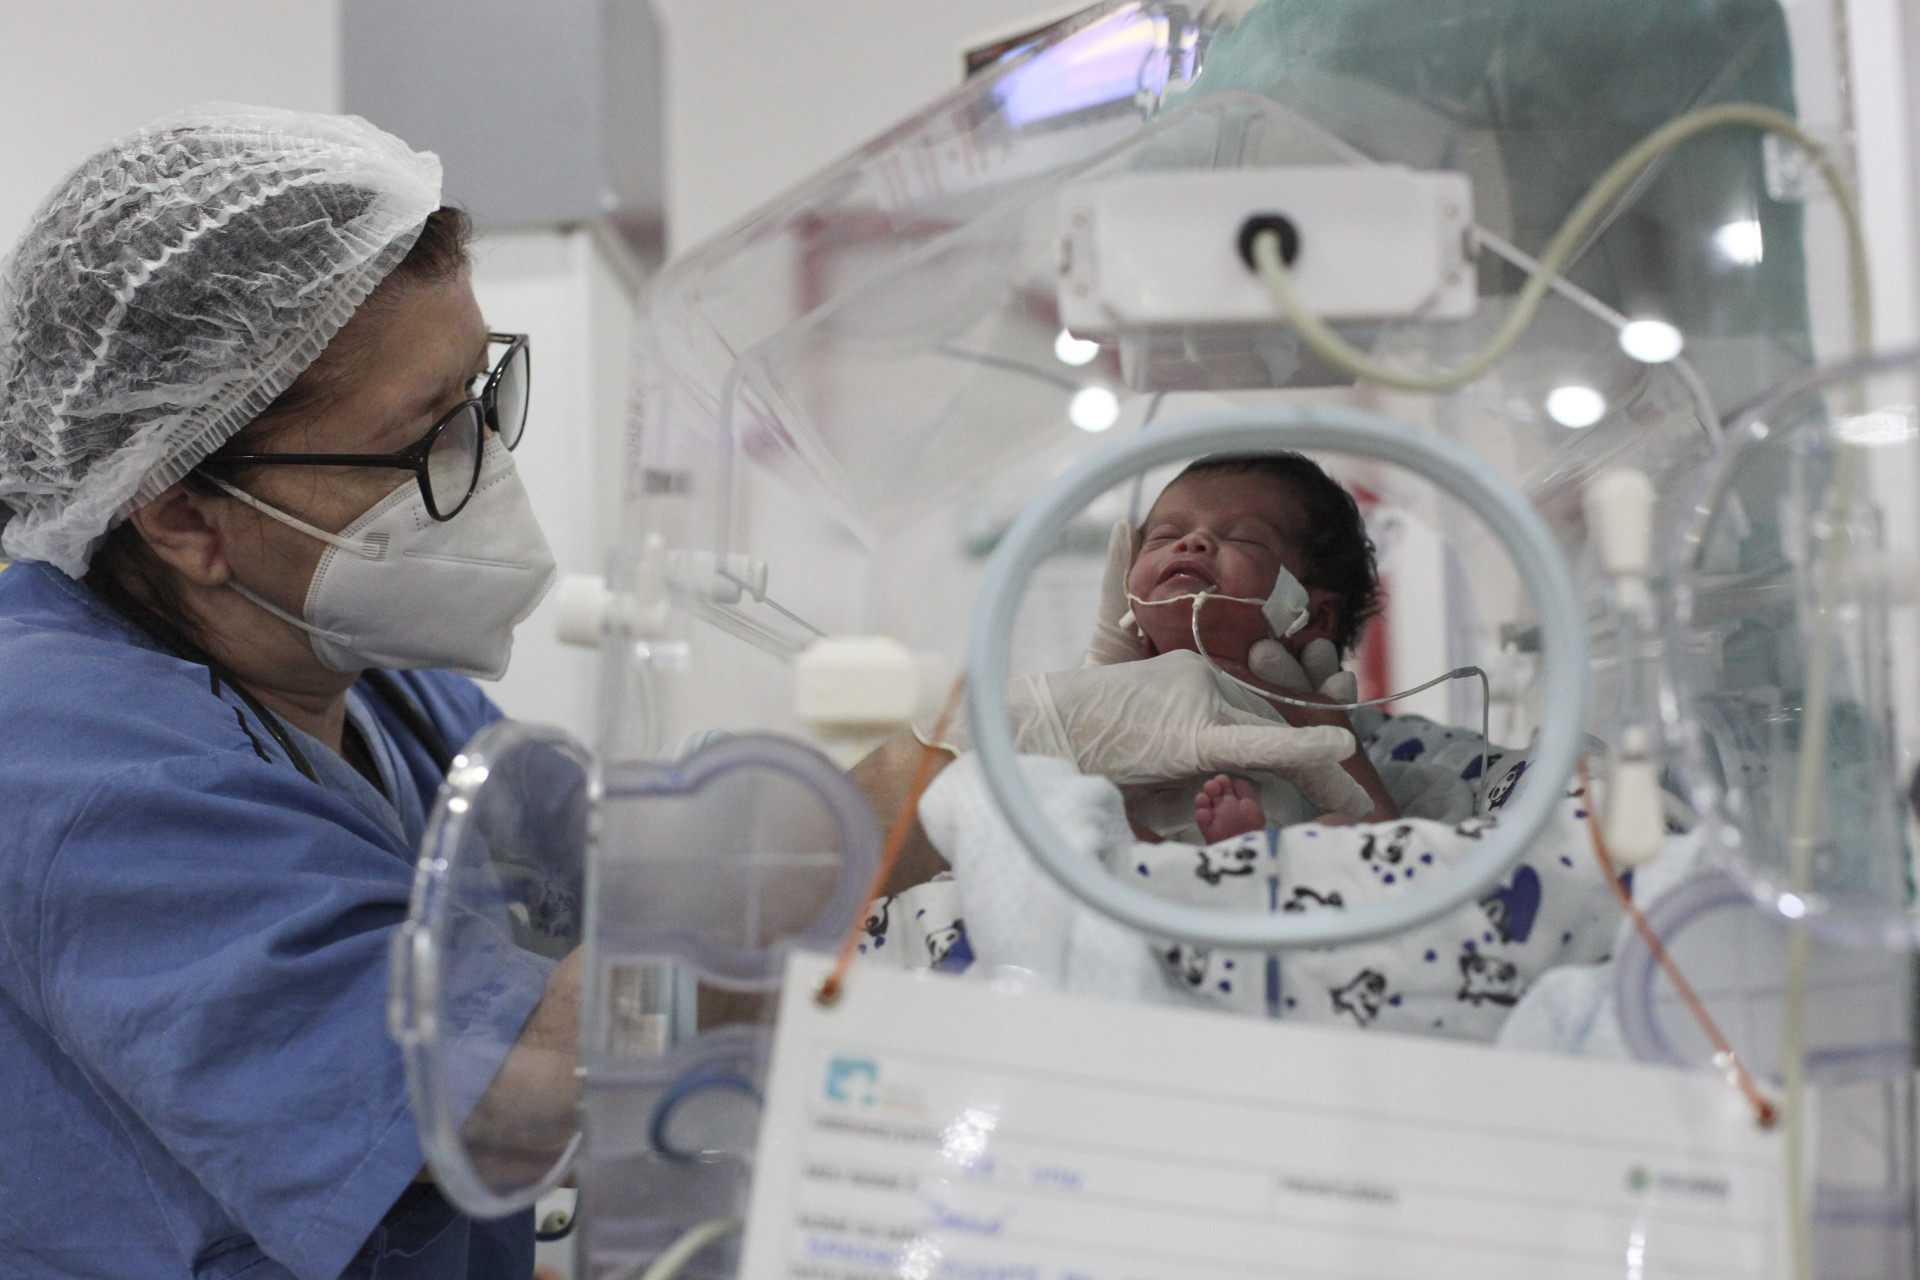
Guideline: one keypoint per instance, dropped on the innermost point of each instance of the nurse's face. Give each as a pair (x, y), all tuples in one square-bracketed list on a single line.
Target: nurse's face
[(393, 371)]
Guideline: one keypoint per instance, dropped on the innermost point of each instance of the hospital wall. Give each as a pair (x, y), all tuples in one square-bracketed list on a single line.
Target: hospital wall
[(78, 74), (763, 93), (83, 72)]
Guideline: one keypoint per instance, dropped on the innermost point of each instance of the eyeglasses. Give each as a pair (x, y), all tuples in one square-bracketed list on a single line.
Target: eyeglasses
[(446, 460)]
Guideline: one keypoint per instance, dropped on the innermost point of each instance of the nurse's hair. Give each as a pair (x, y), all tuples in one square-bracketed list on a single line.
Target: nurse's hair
[(1339, 555), (438, 254), (129, 578), (169, 289)]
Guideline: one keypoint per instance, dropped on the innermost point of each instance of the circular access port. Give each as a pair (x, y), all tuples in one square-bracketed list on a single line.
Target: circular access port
[(1276, 222)]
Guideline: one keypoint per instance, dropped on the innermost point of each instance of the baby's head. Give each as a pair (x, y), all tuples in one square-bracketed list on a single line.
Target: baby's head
[(1228, 524)]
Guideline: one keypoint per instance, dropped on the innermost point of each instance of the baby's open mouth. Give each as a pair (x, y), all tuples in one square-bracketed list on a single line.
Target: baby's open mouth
[(1187, 576)]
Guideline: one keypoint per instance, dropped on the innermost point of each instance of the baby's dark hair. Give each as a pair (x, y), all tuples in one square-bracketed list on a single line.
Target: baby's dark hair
[(1339, 554)]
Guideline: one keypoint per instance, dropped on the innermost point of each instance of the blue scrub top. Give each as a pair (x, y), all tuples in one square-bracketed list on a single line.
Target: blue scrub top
[(193, 972)]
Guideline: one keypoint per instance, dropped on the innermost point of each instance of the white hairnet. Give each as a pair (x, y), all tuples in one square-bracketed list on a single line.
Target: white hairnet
[(169, 290)]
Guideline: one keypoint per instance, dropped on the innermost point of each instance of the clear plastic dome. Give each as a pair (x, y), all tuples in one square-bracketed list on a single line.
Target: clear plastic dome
[(1853, 1042)]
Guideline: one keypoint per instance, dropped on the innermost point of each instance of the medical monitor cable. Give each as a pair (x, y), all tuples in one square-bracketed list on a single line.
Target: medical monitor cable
[(1458, 673), (1270, 265), (1765, 1114), (1704, 408), (1816, 704)]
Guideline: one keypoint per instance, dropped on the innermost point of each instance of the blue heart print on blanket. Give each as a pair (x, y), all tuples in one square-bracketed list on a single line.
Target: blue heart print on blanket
[(1513, 906), (1407, 739), (1457, 976)]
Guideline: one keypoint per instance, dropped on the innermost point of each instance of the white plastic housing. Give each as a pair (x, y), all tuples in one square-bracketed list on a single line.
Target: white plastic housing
[(583, 604), (1635, 816), (1152, 250), (1619, 507), (855, 683)]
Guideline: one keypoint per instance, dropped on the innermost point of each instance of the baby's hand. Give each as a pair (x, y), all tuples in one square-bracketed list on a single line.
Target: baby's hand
[(1227, 807)]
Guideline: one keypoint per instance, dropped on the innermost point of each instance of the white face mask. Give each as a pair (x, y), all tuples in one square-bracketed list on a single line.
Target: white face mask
[(399, 589)]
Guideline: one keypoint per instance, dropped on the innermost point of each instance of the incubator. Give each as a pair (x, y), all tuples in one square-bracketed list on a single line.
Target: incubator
[(1571, 300)]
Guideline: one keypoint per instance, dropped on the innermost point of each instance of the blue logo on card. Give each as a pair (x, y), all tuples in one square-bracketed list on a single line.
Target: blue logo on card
[(852, 1080)]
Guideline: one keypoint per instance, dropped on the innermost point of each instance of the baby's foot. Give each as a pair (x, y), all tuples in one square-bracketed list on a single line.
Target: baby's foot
[(1227, 807)]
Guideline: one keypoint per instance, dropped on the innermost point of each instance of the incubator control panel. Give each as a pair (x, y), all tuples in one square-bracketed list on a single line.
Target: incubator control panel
[(1367, 242)]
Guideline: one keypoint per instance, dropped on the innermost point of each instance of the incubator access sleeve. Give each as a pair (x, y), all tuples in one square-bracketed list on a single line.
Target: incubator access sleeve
[(497, 910)]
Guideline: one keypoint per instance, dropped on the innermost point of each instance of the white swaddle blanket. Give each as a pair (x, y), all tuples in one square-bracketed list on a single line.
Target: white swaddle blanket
[(1456, 976), (999, 905)]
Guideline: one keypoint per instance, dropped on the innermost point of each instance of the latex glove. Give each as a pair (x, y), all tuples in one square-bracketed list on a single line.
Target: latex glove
[(1116, 637), (1318, 663), (1317, 670), (1167, 717)]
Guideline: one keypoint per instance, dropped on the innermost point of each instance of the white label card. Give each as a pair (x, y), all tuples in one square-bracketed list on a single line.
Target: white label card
[(928, 1127)]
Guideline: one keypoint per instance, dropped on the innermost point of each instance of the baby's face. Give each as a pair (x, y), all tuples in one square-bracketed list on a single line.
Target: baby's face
[(1221, 533)]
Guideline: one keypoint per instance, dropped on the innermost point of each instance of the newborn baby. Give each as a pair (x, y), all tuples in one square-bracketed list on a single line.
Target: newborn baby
[(1204, 567)]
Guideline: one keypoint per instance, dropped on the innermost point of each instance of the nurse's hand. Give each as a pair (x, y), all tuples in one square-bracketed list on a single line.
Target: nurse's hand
[(1165, 717), (523, 1123), (1115, 637)]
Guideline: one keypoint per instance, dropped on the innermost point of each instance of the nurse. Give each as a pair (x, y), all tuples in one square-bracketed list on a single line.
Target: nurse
[(256, 487)]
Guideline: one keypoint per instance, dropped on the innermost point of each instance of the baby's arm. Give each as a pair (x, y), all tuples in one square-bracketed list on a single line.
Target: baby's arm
[(1358, 766), (1227, 807)]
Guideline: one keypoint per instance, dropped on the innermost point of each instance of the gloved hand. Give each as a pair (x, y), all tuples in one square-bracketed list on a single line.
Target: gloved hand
[(1116, 636), (1317, 670), (1166, 717)]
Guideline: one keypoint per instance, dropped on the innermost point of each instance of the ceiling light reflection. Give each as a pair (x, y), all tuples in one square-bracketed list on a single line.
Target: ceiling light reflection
[(1075, 351), (1742, 242), (1651, 341), (1575, 405), (1093, 409)]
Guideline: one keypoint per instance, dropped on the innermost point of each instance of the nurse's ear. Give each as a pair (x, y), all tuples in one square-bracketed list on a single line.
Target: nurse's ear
[(187, 528)]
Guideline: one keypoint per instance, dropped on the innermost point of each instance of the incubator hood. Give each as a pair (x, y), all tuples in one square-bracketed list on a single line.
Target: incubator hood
[(841, 402), (910, 398)]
